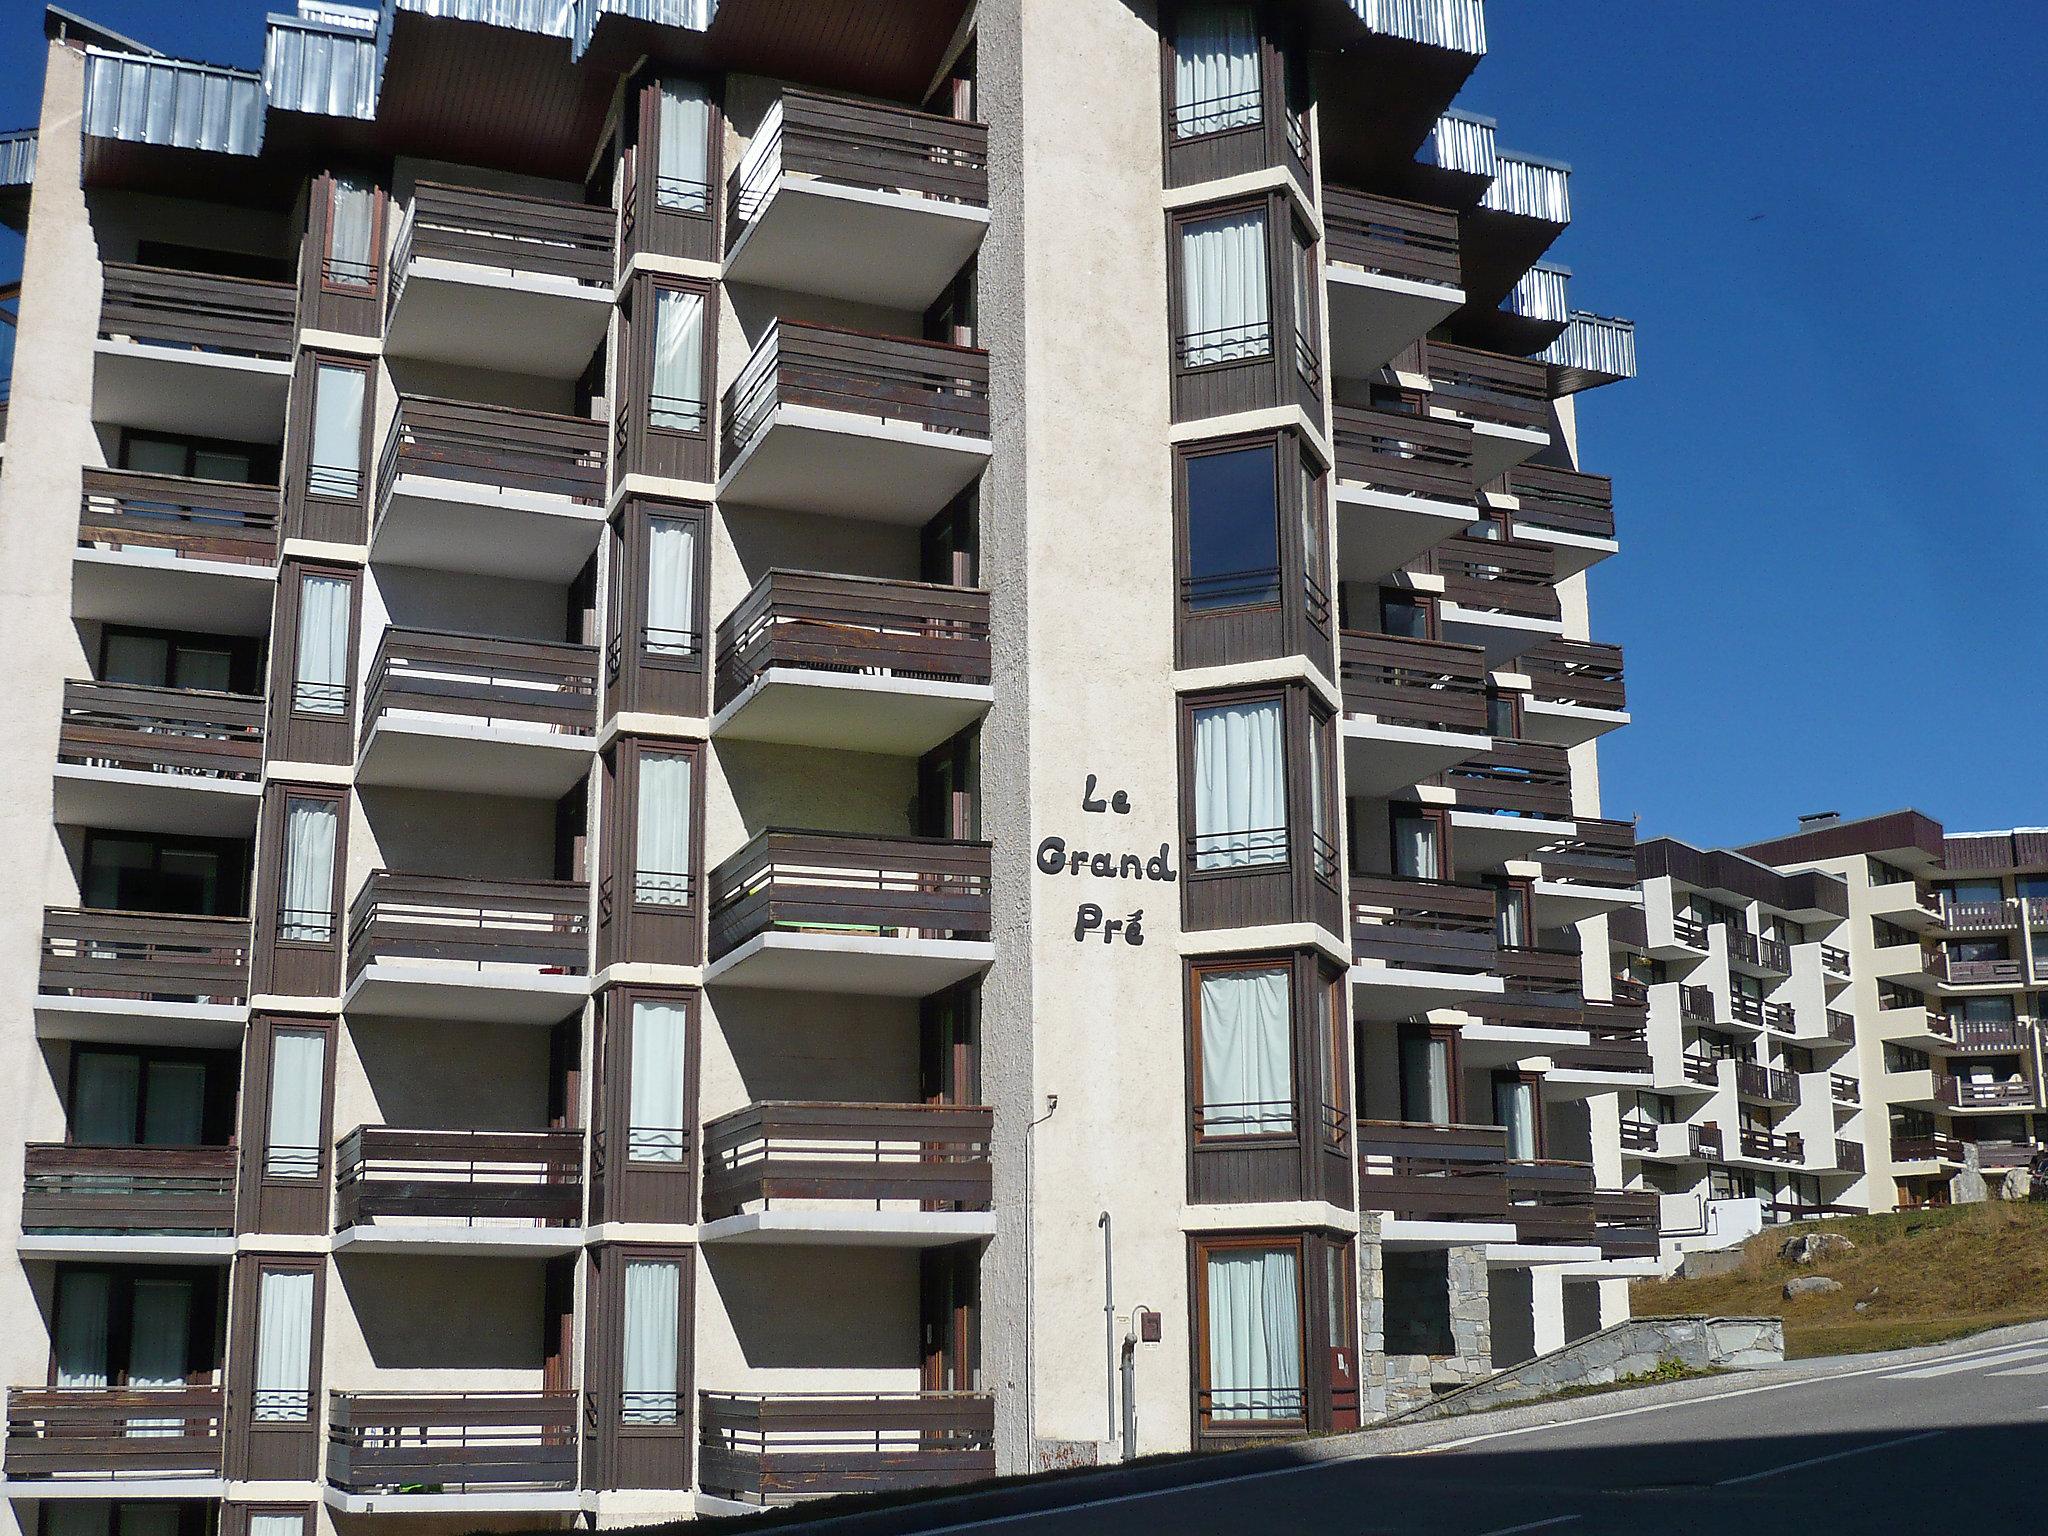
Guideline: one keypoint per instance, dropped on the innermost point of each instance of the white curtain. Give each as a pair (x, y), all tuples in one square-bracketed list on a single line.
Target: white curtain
[(298, 1072), (654, 1112), (1225, 295), (683, 158), (1415, 848), (82, 1307), (1216, 70), (321, 684), (1426, 1079), (662, 861), (1247, 1054), (335, 466), (174, 1113), (103, 1105), (273, 1525), (284, 1346), (653, 1302), (1509, 926), (1254, 1335), (349, 258), (1240, 786), (160, 1317), (671, 586), (307, 904), (678, 393), (1514, 1107)]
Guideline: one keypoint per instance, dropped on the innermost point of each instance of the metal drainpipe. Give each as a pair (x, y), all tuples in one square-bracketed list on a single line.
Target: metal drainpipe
[(1108, 1321)]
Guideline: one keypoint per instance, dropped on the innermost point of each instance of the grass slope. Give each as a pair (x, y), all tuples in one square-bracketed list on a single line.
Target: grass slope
[(1927, 1276)]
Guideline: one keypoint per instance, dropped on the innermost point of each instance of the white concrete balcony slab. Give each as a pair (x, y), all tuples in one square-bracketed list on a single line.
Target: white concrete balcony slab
[(1388, 993), (1504, 637), (1403, 486), (1485, 840), (434, 947), (157, 589), (840, 1228), (193, 353)]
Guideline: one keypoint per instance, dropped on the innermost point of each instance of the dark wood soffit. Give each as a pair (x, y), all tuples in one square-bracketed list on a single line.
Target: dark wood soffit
[(1893, 833)]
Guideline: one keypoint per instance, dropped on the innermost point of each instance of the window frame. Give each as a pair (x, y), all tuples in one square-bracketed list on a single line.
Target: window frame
[(1201, 1247)]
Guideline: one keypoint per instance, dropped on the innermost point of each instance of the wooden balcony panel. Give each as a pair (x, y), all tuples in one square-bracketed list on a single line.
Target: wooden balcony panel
[(1696, 1003), (844, 883), (1551, 1201), (1579, 672), (1625, 1223), (1391, 237), (164, 957), (197, 519), (1961, 1093), (1601, 853), (929, 384), (1619, 1042), (1542, 990), (936, 1154), (1430, 925), (137, 1432), (1991, 1035), (1841, 1026), (1772, 1147), (1770, 1083), (1427, 684), (1403, 455), (509, 230), (1489, 386), (451, 1442), (794, 1445), (494, 445), (1979, 973), (1521, 778), (1562, 500), (854, 624), (1844, 1089), (1979, 916), (1421, 1172), (1638, 1136), (530, 682), (187, 732), (1834, 960), (1504, 576), (491, 1176), (1848, 1155), (1707, 1141), (867, 144), (188, 1191), (542, 923), (199, 310), (1705, 1070), (1937, 1148)]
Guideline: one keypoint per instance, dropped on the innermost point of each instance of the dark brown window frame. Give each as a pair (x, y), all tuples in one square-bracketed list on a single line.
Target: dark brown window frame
[(371, 286), (642, 447), (1279, 140), (1202, 967), (217, 1109), (353, 576), (620, 910), (1275, 379), (1200, 1248), (646, 227), (632, 670)]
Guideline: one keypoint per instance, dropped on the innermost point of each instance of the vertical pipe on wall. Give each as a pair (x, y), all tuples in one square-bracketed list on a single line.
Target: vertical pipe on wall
[(1108, 1324)]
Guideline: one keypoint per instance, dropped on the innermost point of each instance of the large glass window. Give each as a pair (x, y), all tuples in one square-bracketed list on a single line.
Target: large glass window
[(1240, 786), (653, 1313), (661, 867), (1254, 1329), (1417, 846), (116, 1329), (655, 1128), (161, 659), (676, 398), (1216, 70), (124, 1098), (351, 233), (1233, 529), (149, 872), (671, 587), (320, 659), (1245, 1044), (1425, 1077), (1514, 1108), (284, 1346), (682, 167), (334, 465), (298, 1079), (306, 896), (1226, 297)]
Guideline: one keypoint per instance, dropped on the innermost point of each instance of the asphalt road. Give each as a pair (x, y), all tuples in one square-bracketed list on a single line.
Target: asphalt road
[(1948, 1446)]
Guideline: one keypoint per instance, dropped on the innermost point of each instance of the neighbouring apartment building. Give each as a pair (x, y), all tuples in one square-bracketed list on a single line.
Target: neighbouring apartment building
[(762, 749)]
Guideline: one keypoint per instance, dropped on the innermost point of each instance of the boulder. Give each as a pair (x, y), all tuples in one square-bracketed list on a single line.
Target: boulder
[(1814, 1245), (1810, 1285)]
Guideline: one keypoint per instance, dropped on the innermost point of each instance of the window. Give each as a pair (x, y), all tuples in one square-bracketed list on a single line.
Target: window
[(1500, 714), (133, 1098), (1233, 529), (1315, 549), (1252, 1320), (1514, 1108), (682, 166), (164, 659), (320, 682), (1322, 797), (676, 395), (298, 1088), (284, 1346), (1426, 1076), (1216, 70), (306, 882), (1225, 293), (351, 234), (656, 1130), (650, 1378), (157, 453), (1404, 616), (334, 465), (1511, 917), (1336, 1065), (1244, 1048), (671, 587), (661, 866), (1240, 786), (1417, 846), (158, 872), (126, 1328), (1307, 358)]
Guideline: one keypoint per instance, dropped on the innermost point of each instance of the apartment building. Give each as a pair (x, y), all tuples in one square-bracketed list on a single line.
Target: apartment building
[(772, 749)]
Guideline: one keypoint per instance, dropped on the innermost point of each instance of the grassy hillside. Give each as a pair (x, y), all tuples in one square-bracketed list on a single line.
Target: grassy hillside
[(1926, 1276)]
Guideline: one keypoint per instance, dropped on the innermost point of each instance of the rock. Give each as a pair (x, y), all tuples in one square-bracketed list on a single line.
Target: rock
[(1813, 1245), (1862, 1306), (1810, 1285)]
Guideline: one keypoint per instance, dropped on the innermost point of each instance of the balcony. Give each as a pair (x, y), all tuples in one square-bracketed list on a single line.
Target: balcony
[(1759, 956), (1552, 1203), (844, 422), (773, 1449), (1420, 944), (72, 1190), (459, 1191), (159, 759), (1412, 708), (853, 663), (111, 1433), (155, 549), (489, 490), (432, 946), (1590, 872), (1934, 1148), (1625, 1223), (1404, 484), (1696, 1004), (1541, 1007), (1500, 594), (1434, 1182), (865, 1175), (1844, 1089), (193, 353), (500, 281), (1617, 1046), (1978, 973), (2001, 916), (1771, 1085), (1701, 1071), (856, 200), (1848, 1155), (498, 717), (183, 979), (1571, 512), (833, 912), (1707, 1142), (1505, 401), (1576, 693), (425, 1447), (1393, 276), (2015, 1092), (1400, 64), (1524, 209), (1989, 1035), (1770, 1147), (1841, 1027), (1511, 802)]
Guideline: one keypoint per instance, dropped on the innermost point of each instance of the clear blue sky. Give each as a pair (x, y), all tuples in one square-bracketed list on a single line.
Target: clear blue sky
[(1828, 224)]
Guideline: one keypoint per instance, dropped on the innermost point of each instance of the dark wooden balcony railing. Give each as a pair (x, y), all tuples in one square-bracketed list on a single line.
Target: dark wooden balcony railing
[(929, 384), (1427, 925), (1521, 778), (1423, 683), (1403, 455), (438, 918), (202, 311), (382, 1442), (1841, 1026), (1488, 386), (1638, 1136), (1769, 1145), (1979, 916), (542, 235), (196, 519), (1505, 576), (1707, 1141), (1978, 973), (1390, 237), (1552, 1201), (1936, 1147), (935, 1154), (525, 682), (858, 624), (1562, 500), (1746, 1009), (1580, 672), (1689, 930), (161, 956), (1600, 853), (183, 732), (863, 144), (1615, 1043), (1705, 1070), (1990, 1034), (1761, 1082), (139, 1432), (189, 1191), (1962, 1093), (494, 445), (1834, 960), (1541, 990), (1848, 1155), (1696, 1003), (1421, 1172), (1625, 1222), (492, 1176), (848, 884), (1844, 1089), (1765, 954), (767, 1449)]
